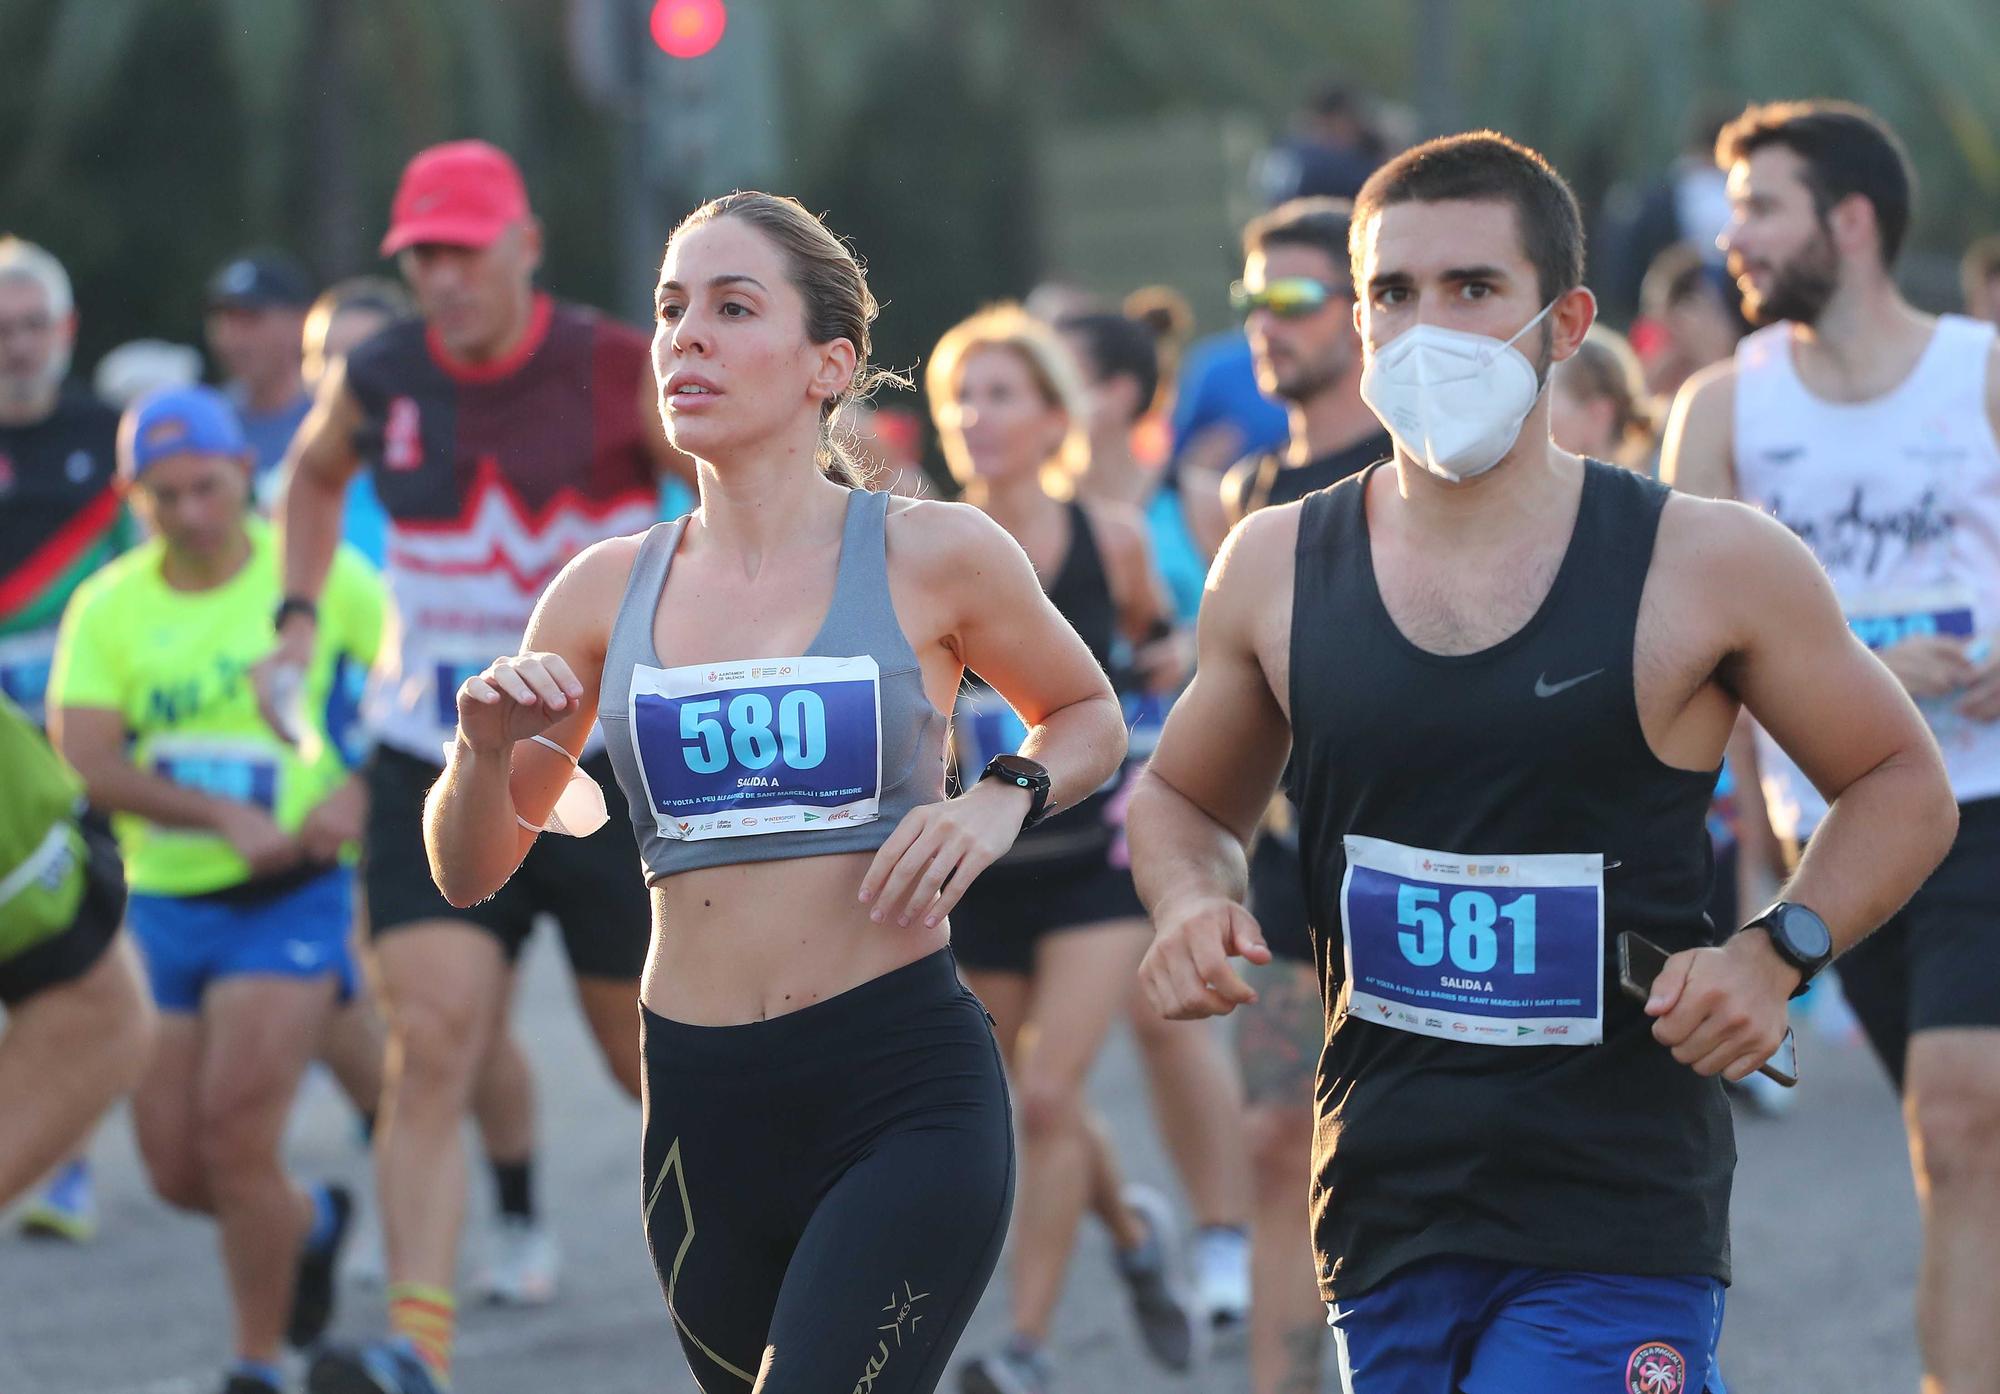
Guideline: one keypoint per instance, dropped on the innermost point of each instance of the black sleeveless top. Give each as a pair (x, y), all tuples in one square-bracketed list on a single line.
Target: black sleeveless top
[(1611, 1157), (1271, 481), (1081, 591)]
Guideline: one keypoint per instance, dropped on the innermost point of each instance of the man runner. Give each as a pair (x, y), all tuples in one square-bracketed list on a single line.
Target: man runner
[(505, 432), (235, 843), (1298, 311), (1506, 676), (1873, 432)]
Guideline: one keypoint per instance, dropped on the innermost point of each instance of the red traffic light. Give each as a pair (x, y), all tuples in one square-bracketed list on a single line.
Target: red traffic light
[(688, 28)]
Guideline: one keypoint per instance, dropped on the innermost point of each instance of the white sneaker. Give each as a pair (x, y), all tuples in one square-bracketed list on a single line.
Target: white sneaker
[(522, 1263), (1220, 1259)]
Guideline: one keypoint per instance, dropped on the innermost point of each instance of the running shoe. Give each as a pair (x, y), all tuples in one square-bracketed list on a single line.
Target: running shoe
[(1221, 1262), (249, 1384), (66, 1209), (1011, 1371), (522, 1264), (1168, 1323), (312, 1295), (380, 1367)]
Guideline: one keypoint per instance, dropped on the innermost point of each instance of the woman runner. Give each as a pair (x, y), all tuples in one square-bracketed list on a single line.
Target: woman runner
[(828, 1156), (1051, 937)]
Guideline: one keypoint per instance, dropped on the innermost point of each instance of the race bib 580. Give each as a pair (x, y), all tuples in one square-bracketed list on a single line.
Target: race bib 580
[(1495, 950), (748, 749)]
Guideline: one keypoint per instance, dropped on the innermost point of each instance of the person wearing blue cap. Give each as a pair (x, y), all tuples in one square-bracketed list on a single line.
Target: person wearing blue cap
[(255, 322), (237, 839)]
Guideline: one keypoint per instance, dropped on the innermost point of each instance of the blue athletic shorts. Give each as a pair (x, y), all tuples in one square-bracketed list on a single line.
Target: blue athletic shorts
[(1473, 1326), (191, 941)]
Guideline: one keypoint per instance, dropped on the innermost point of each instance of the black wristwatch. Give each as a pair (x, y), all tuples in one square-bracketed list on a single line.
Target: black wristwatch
[(1022, 773), (294, 605), (1800, 938)]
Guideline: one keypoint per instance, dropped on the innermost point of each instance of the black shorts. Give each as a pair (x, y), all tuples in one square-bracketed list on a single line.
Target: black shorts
[(1278, 898), (1936, 963), (997, 923), (594, 886), (833, 1183), (75, 951)]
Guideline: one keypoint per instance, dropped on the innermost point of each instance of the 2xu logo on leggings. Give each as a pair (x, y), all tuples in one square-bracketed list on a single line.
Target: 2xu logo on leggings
[(902, 1308)]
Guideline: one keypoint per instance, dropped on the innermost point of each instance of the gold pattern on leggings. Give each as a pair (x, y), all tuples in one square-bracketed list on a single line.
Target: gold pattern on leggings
[(673, 1167)]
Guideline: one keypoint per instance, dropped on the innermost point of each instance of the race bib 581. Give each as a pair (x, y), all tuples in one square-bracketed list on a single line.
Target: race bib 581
[(1494, 950)]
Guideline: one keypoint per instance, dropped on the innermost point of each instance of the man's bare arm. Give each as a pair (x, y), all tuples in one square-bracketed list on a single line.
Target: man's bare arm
[(1842, 716), (1211, 777), (1698, 456), (317, 469)]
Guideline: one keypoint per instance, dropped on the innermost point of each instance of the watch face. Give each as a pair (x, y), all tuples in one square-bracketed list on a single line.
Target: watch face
[(1805, 932), (1020, 767)]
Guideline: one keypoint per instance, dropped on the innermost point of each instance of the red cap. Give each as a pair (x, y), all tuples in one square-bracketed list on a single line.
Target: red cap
[(463, 193)]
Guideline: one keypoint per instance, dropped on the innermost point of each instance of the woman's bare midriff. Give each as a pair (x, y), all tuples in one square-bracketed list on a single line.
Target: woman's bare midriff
[(734, 944)]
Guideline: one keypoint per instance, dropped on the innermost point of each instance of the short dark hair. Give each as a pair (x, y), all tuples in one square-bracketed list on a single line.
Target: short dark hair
[(1319, 223), (1487, 166), (1118, 346), (1847, 150)]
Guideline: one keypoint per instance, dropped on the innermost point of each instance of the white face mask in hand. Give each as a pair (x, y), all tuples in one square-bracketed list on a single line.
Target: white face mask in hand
[(1454, 401), (580, 809)]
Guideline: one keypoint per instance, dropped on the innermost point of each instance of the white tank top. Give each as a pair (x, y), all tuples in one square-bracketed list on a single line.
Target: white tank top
[(1899, 497)]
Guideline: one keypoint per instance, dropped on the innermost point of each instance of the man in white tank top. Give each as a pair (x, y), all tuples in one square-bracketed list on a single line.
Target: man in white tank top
[(1873, 430)]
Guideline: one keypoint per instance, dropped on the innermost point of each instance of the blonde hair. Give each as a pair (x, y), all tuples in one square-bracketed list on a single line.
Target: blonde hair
[(1604, 368), (1050, 364)]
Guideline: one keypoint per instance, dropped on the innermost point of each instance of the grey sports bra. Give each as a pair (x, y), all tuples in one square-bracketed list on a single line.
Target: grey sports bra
[(770, 757)]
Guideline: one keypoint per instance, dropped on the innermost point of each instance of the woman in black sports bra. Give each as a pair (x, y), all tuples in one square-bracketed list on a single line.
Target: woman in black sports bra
[(1050, 937), (828, 1164)]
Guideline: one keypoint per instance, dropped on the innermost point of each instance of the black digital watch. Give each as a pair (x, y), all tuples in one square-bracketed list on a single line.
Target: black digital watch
[(1022, 773)]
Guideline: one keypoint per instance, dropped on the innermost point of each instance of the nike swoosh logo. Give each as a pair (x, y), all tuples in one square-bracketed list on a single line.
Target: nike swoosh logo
[(1545, 688)]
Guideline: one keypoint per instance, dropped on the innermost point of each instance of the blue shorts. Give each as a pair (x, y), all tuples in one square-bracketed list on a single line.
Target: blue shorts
[(1474, 1326), (191, 941)]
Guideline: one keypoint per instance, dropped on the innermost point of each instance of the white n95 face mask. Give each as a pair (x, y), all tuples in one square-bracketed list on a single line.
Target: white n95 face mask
[(1454, 401)]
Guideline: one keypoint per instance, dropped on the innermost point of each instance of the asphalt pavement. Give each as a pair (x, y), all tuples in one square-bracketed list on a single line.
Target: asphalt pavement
[(1825, 1245)]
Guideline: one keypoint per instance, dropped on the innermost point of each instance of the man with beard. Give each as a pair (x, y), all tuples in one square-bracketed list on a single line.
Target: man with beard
[(1873, 431), (1298, 311)]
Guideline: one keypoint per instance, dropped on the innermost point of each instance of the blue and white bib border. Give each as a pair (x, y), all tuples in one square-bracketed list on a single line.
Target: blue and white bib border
[(1423, 933), (746, 749)]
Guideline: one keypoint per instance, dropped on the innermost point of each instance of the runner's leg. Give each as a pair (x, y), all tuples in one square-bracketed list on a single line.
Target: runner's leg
[(1080, 983), (444, 989), (1277, 1047), (68, 1051), (1953, 1106), (258, 1034)]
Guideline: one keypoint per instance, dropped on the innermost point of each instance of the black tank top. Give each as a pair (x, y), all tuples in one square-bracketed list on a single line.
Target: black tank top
[(1271, 481), (1609, 1157), (984, 726)]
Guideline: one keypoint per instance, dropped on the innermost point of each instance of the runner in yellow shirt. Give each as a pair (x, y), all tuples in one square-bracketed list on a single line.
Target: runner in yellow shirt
[(237, 841), (77, 1026)]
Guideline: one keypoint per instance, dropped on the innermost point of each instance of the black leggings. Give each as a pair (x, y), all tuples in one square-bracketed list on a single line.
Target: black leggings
[(827, 1192)]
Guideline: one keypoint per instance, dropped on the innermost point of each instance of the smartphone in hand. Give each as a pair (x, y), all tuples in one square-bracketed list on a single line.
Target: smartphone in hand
[(1639, 963)]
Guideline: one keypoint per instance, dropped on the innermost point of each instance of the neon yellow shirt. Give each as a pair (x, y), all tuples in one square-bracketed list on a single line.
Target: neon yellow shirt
[(176, 665)]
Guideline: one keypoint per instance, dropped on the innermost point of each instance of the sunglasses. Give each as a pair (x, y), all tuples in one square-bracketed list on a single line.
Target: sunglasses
[(1288, 297)]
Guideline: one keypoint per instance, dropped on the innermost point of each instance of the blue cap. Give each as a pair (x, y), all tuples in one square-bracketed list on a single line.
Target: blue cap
[(177, 421)]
